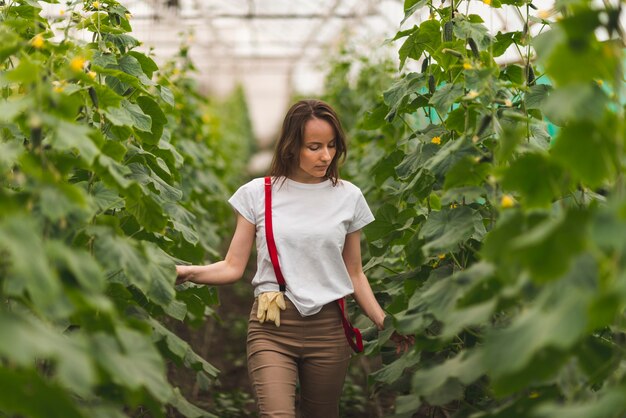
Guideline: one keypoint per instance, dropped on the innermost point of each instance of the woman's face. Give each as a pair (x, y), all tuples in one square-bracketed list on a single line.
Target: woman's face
[(317, 151)]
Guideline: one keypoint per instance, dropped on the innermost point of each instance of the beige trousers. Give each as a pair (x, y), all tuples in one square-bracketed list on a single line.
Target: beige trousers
[(312, 350)]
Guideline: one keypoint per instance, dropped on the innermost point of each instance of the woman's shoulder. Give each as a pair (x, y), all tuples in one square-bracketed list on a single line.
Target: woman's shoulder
[(251, 187), (348, 186)]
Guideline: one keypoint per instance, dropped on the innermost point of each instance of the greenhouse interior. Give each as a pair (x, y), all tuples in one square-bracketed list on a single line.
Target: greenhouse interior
[(339, 208)]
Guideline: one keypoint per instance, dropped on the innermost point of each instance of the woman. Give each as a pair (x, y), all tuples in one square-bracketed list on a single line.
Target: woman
[(317, 220)]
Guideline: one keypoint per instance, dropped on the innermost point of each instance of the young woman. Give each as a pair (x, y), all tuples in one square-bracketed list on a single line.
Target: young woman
[(317, 220)]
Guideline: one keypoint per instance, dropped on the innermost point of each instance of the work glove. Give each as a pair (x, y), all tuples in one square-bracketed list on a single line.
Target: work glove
[(269, 306)]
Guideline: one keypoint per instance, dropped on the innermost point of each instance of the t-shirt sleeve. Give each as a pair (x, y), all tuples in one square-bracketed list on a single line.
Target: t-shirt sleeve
[(243, 201), (362, 214)]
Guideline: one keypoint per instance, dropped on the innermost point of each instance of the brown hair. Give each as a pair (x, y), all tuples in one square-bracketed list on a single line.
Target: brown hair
[(287, 152)]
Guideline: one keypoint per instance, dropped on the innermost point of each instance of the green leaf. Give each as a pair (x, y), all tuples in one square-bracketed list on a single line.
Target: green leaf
[(148, 66), (443, 98), (562, 238), (437, 384), (133, 362), (106, 96), (129, 114), (466, 172), (26, 72), (187, 409), (515, 74), (18, 389), (102, 59), (184, 221), (503, 41), (80, 263), (589, 151), (536, 178), (25, 339), (464, 28), (554, 322), (146, 177), (445, 229), (162, 273), (415, 160), (13, 106), (537, 95), (420, 185), (426, 37), (9, 155), (449, 154), (575, 102), (388, 220), (609, 402), (10, 43), (29, 269), (167, 95), (68, 136), (410, 7), (392, 372), (397, 96), (456, 119), (130, 65), (106, 198), (147, 211), (182, 350), (375, 118), (152, 109), (113, 173), (590, 58)]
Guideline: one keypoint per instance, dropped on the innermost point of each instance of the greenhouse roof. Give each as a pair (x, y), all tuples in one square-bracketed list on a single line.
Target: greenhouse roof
[(276, 48)]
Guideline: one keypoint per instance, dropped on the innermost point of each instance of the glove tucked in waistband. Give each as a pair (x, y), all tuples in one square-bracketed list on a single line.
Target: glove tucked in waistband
[(269, 306)]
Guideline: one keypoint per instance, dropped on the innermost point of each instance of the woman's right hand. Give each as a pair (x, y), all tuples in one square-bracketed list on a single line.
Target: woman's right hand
[(183, 274)]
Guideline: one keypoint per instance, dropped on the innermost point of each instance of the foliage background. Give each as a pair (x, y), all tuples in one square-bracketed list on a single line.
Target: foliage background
[(112, 170), (498, 192)]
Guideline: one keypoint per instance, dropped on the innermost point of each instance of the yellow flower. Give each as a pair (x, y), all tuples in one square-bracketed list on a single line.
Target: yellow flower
[(96, 4), (544, 14), (58, 86), (599, 82), (487, 2), (92, 74), (472, 94), (467, 65), (436, 140), (61, 12), (37, 41), (507, 201), (77, 63), (441, 256), (453, 205)]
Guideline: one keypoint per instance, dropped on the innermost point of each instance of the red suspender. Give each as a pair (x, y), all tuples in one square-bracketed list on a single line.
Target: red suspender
[(269, 235), (353, 334)]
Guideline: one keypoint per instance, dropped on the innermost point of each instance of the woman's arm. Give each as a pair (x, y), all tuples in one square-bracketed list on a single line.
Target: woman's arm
[(362, 290), (231, 268)]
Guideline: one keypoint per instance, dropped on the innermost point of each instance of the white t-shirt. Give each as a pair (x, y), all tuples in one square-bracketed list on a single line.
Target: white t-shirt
[(310, 225)]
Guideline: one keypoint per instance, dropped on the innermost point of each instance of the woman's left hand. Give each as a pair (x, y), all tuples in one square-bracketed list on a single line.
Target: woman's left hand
[(403, 342)]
